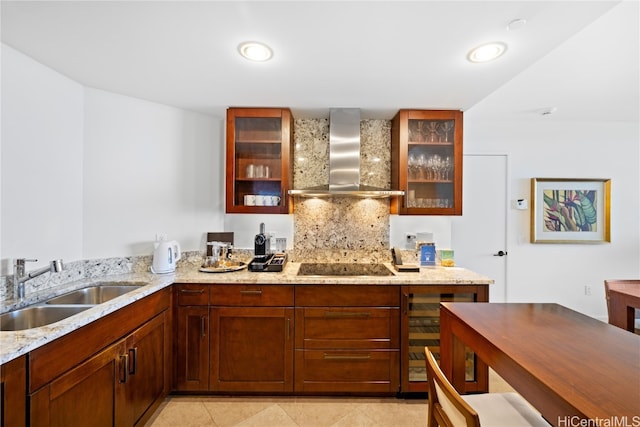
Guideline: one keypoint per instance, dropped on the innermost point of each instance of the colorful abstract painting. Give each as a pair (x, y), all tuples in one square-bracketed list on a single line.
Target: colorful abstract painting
[(570, 210)]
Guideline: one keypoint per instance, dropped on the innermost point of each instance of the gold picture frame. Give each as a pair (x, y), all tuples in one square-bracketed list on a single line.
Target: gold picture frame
[(570, 210)]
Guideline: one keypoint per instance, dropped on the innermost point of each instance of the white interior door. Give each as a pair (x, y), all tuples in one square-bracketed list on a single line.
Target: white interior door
[(480, 233)]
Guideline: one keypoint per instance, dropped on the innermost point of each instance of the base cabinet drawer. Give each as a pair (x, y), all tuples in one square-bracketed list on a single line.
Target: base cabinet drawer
[(251, 295), (347, 327), (347, 371), (342, 349)]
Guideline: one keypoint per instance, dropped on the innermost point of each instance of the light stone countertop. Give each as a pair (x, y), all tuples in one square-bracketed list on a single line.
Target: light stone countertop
[(16, 343)]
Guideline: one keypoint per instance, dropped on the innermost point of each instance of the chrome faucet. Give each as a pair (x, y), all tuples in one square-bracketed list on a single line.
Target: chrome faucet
[(19, 275)]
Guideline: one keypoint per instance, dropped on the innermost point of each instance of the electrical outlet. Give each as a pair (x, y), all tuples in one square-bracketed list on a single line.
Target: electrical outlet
[(587, 290), (160, 237), (410, 240)]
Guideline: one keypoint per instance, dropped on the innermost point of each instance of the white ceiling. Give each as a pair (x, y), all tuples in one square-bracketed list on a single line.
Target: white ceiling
[(379, 56)]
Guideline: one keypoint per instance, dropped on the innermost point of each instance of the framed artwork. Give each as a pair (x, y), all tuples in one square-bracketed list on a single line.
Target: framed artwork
[(570, 210)]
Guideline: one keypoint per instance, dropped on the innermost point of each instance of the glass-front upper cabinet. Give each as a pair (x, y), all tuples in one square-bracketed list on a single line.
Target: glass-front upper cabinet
[(259, 150), (426, 162)]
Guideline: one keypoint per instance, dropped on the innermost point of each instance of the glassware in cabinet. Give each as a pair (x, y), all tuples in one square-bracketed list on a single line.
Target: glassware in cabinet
[(258, 157), (426, 161)]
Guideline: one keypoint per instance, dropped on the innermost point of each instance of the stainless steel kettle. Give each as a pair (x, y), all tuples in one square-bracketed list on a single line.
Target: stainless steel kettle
[(165, 256)]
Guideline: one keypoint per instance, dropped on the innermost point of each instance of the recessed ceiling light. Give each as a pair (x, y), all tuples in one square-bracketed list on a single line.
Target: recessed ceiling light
[(487, 52), (255, 51)]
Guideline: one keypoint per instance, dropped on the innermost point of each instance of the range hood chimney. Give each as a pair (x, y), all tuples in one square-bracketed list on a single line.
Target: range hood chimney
[(344, 161)]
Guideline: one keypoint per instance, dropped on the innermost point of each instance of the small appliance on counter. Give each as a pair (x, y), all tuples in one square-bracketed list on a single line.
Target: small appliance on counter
[(265, 260), (262, 242), (165, 256), (268, 263)]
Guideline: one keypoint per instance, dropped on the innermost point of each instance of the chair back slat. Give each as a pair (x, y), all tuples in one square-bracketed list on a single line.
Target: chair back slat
[(446, 406), (607, 288)]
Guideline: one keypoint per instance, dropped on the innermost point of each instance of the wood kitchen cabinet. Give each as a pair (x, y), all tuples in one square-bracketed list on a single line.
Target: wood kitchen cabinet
[(421, 327), (192, 337), (13, 393), (426, 162), (78, 380), (93, 393), (347, 339), (147, 380), (251, 338), (258, 162)]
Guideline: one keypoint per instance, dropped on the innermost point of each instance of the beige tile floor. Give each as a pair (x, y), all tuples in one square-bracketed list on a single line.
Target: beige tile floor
[(224, 411)]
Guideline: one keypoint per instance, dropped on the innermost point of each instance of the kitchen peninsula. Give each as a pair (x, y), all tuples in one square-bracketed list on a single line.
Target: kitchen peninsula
[(369, 353)]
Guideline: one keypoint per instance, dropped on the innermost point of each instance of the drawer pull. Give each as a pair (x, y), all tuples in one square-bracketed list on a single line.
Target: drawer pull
[(133, 365), (256, 292), (334, 314), (124, 366), (328, 356), (192, 291)]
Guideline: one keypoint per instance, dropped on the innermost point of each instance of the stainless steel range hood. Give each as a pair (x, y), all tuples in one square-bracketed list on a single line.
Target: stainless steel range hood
[(344, 161)]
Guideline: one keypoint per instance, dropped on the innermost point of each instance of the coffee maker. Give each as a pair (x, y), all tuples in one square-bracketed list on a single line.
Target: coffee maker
[(265, 259), (262, 243)]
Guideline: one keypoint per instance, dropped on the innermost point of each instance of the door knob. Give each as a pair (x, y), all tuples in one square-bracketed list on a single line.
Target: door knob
[(500, 253)]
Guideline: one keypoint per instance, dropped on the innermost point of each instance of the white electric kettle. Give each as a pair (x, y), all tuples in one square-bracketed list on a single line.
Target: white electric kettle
[(165, 257)]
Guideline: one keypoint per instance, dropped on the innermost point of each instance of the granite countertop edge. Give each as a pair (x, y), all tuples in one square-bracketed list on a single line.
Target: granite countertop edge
[(14, 344)]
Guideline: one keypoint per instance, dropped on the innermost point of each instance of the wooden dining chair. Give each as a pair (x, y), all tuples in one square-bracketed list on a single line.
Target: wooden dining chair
[(447, 408), (607, 288)]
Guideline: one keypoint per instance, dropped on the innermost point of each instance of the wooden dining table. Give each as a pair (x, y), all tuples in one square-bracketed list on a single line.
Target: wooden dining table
[(624, 299), (574, 369)]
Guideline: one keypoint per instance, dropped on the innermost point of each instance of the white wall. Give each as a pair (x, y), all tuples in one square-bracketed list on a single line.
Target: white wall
[(90, 174), (42, 122), (149, 169), (559, 272), (558, 146)]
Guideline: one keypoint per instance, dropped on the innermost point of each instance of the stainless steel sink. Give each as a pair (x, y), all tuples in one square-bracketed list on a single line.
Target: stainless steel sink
[(33, 317), (67, 305), (120, 283), (94, 294)]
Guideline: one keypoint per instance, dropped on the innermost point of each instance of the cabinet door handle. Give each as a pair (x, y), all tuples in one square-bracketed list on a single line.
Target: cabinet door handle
[(288, 330), (203, 330), (405, 303), (133, 365), (250, 292), (192, 291), (124, 366), (333, 314), (328, 356)]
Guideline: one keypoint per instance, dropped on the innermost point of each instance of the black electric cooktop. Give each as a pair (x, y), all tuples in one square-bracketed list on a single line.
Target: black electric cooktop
[(343, 269)]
